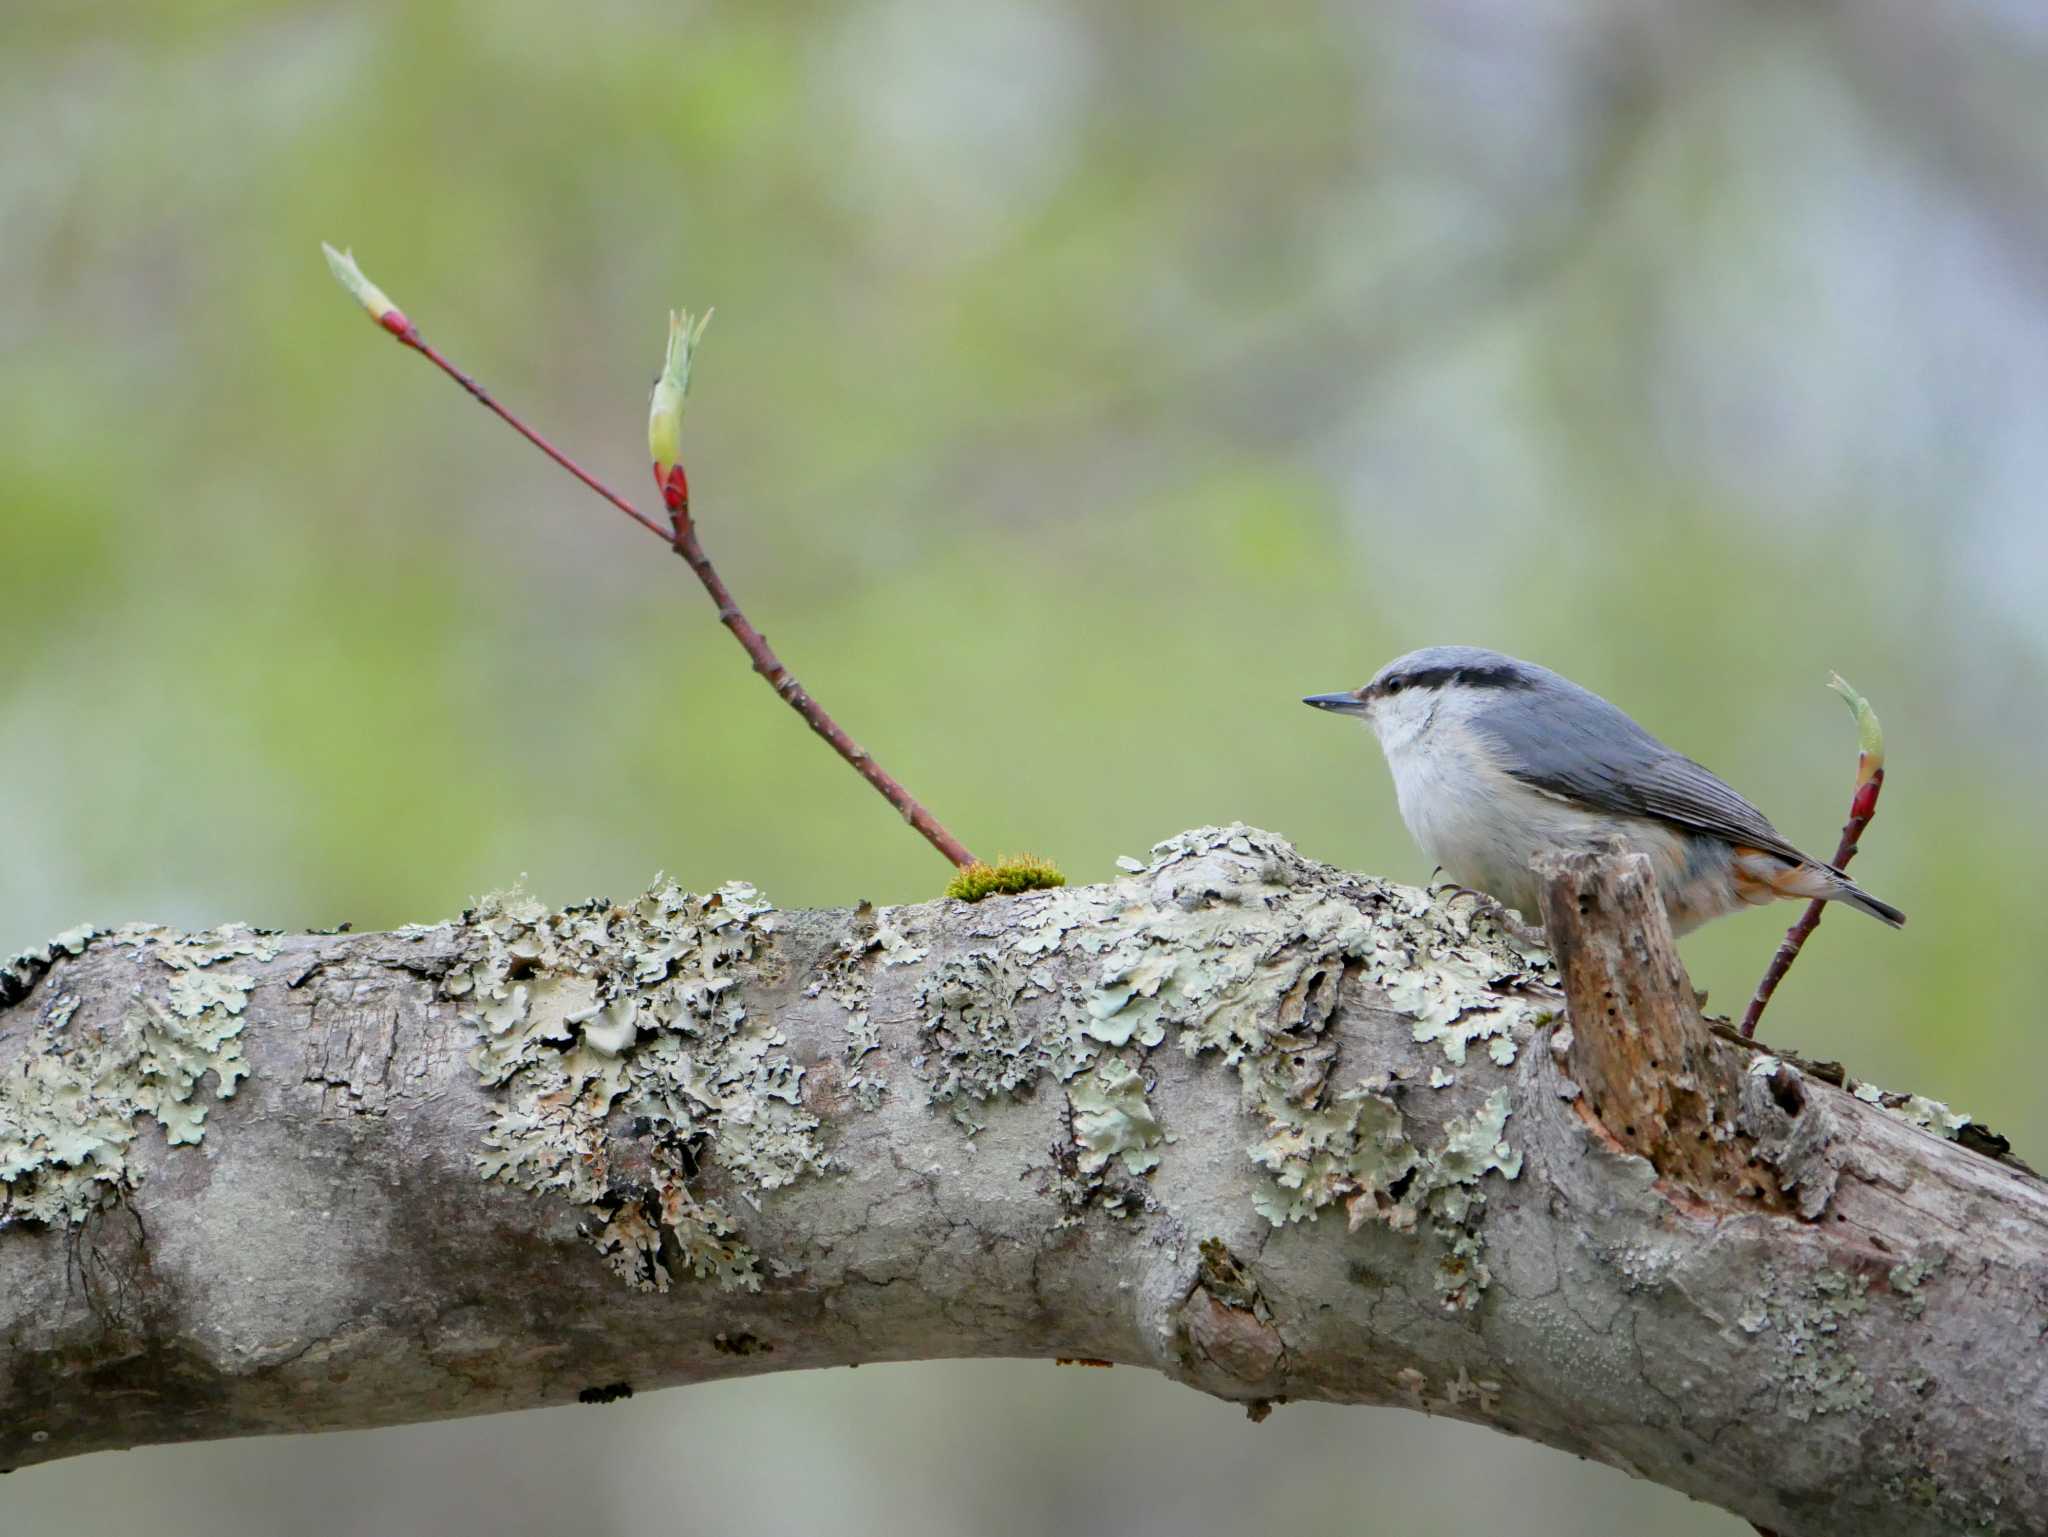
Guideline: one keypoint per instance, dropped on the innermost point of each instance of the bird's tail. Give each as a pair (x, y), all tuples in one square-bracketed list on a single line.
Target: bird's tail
[(1816, 882), (1846, 890), (1833, 886)]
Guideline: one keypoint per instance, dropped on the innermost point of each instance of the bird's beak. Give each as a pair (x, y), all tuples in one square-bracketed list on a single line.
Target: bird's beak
[(1346, 703)]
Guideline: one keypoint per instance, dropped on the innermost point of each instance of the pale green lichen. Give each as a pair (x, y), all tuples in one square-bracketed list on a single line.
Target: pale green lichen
[(1473, 1147), (74, 940), (69, 1112), (194, 992), (896, 948), (1355, 1149), (1191, 957), (604, 1014), (1435, 998), (1352, 1147), (1805, 1315), (1906, 1279), (1113, 1120), (1959, 1511), (1261, 992), (1233, 985), (1927, 1114), (862, 1038), (975, 1045), (19, 973), (1125, 1004), (1230, 942), (844, 979)]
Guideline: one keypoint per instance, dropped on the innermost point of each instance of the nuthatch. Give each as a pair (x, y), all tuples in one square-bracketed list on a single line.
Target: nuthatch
[(1496, 761)]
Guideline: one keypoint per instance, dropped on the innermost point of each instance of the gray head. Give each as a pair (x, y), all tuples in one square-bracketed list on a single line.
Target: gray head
[(1404, 695)]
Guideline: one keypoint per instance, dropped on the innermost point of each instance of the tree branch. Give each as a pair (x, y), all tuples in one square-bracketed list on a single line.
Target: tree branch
[(531, 1156)]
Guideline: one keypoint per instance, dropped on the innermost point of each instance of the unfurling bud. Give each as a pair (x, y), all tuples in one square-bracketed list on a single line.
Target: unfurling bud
[(1869, 746), (665, 411), (367, 293)]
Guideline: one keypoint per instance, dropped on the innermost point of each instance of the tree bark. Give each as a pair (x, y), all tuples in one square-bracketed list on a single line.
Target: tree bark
[(1274, 1130)]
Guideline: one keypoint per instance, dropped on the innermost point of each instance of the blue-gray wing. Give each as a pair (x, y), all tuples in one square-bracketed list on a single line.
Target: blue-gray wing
[(1590, 752)]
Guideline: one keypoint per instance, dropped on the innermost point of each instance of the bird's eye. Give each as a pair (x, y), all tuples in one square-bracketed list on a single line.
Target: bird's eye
[(1393, 685)]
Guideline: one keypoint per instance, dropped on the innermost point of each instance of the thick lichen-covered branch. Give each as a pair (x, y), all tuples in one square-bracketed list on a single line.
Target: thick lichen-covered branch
[(1276, 1131)]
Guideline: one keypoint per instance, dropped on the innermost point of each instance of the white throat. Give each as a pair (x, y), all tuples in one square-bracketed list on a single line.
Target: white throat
[(1401, 721)]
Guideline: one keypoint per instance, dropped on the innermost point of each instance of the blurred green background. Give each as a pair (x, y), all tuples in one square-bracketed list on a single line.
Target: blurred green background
[(1087, 385)]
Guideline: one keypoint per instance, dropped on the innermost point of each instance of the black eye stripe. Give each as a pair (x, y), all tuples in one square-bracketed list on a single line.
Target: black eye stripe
[(1472, 676)]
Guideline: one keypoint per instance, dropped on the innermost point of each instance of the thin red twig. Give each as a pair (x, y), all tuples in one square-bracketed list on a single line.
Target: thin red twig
[(1861, 810), (412, 338), (769, 666), (682, 537)]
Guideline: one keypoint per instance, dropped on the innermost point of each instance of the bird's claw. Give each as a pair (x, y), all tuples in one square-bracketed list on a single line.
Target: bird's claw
[(1529, 936)]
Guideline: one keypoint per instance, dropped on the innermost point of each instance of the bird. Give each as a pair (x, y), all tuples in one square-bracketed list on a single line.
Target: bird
[(1497, 761)]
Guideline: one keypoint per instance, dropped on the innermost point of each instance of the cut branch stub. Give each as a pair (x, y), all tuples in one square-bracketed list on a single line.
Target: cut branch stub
[(1653, 1076)]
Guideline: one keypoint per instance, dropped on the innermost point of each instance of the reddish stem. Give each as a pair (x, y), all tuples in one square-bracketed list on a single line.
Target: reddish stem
[(412, 338), (784, 682), (682, 537), (1861, 809)]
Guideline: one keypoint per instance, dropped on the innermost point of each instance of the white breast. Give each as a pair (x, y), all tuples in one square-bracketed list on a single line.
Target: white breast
[(1486, 828)]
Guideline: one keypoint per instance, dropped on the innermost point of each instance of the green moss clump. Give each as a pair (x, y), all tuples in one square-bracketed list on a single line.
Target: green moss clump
[(1006, 877)]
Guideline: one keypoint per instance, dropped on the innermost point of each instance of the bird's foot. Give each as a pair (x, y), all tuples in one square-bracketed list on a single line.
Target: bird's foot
[(1523, 934)]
